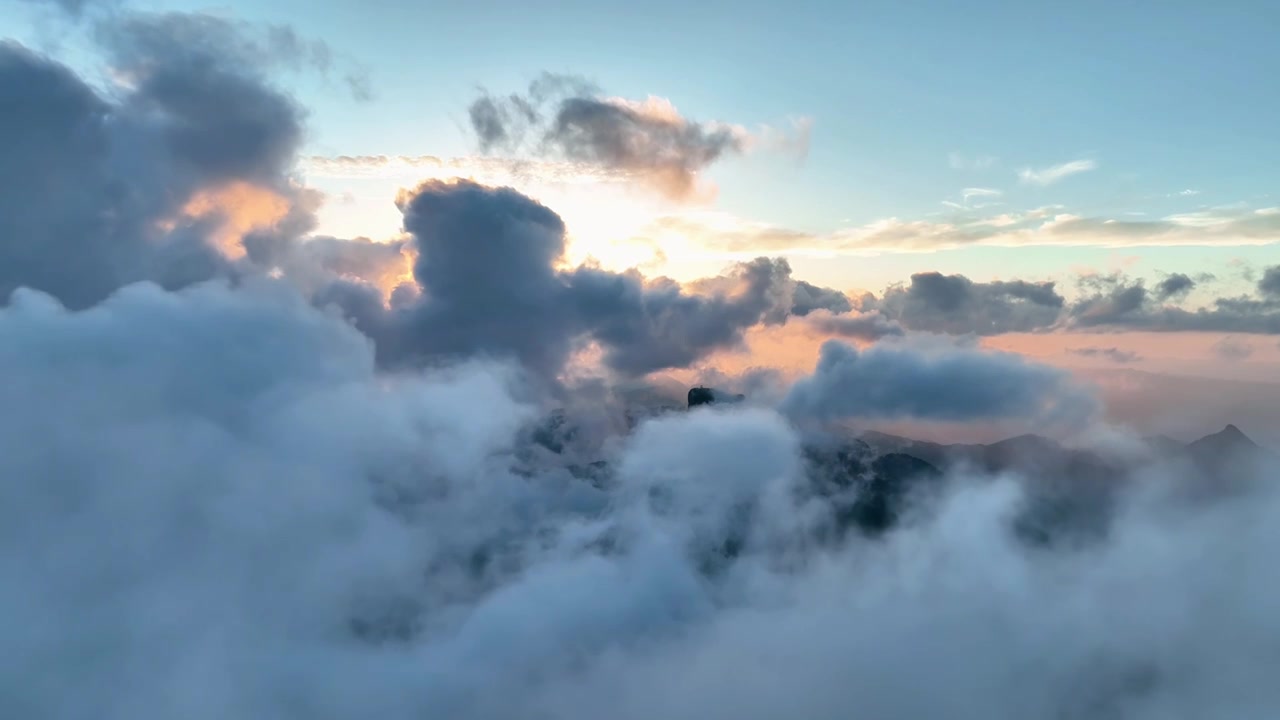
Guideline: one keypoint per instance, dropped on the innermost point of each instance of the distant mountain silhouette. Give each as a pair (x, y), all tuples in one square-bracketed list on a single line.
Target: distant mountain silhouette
[(874, 481), (1229, 439), (1226, 453)]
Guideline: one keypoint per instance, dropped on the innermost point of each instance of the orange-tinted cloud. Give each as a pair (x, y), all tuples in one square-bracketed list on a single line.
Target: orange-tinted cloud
[(239, 208)]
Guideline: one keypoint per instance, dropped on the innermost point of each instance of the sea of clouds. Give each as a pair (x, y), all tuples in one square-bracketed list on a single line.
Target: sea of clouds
[(213, 505)]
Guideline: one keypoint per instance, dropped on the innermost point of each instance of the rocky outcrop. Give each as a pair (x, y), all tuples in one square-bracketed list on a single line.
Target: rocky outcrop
[(710, 396)]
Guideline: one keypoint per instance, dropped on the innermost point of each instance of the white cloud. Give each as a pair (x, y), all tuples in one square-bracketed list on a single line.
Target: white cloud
[(214, 506), (730, 237), (973, 192), (1051, 175)]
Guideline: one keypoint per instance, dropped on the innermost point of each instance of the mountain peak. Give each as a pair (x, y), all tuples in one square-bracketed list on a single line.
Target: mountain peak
[(1228, 441), (1229, 435)]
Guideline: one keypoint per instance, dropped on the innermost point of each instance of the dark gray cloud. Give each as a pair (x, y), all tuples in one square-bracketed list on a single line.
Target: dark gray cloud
[(889, 383), (1113, 354), (486, 268), (1113, 300), (1174, 287), (869, 326), (1116, 302), (647, 326), (1269, 284), (809, 297), (92, 192), (954, 304), (569, 117), (487, 281)]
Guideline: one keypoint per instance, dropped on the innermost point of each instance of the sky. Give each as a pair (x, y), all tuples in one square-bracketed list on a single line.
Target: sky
[(932, 113), (863, 143)]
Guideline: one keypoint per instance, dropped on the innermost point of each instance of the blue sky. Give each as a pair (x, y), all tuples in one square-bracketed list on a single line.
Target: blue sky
[(911, 103)]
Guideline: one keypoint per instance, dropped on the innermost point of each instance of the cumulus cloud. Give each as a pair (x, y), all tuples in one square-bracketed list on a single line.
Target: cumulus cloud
[(1054, 173), (488, 278), (568, 117), (1269, 285), (98, 192), (955, 304), (886, 382), (185, 175), (1176, 286), (1119, 302), (808, 298), (868, 326)]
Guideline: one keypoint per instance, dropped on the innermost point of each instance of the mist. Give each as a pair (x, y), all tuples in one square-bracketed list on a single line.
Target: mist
[(215, 505)]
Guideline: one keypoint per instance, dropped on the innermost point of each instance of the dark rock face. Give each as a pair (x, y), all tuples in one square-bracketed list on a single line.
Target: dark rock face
[(709, 396), (869, 493), (701, 396)]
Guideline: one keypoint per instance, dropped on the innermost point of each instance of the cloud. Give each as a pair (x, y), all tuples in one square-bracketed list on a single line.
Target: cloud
[(218, 501), (127, 171), (869, 326), (1231, 348), (568, 118), (164, 178), (488, 279), (1118, 302), (1113, 354), (1176, 286), (1041, 227), (976, 192), (186, 176), (954, 304), (1269, 285), (1054, 173), (241, 488), (889, 383), (808, 298)]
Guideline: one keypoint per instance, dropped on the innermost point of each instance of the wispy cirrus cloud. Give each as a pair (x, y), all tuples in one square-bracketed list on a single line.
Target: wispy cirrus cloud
[(978, 192), (1054, 173), (1047, 226)]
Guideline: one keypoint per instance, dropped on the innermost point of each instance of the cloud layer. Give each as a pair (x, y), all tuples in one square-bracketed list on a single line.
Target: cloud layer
[(246, 518)]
